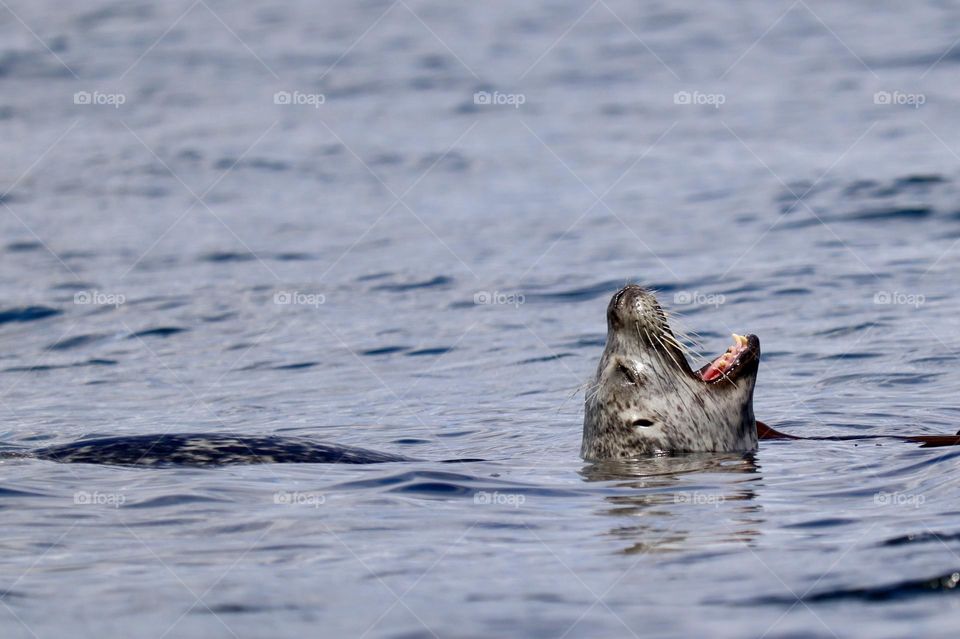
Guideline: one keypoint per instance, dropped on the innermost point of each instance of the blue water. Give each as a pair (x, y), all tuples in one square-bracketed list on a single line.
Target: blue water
[(184, 254)]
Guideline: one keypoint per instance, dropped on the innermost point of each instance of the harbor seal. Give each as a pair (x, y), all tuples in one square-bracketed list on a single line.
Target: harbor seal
[(207, 449), (645, 398)]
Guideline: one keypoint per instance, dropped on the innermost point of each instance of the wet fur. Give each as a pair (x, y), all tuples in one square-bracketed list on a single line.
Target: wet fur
[(685, 414), (207, 450)]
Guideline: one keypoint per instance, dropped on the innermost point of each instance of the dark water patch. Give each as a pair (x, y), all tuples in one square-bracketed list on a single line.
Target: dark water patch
[(793, 291), (31, 65), (221, 317), (386, 159), (452, 161), (880, 379), (257, 164), (23, 246), (239, 609), (80, 255), (430, 351), (162, 331), (860, 187), (578, 294), (256, 366), (98, 362), (545, 358), (826, 522), (899, 591), (407, 477), (437, 282), (130, 12), (918, 180), (228, 256), (294, 367), (13, 492), (592, 341), (174, 500), (374, 276), (891, 213), (41, 368), (846, 330), (386, 350), (849, 356), (907, 185), (433, 488), (27, 314), (410, 441), (74, 286), (294, 257), (456, 433), (920, 538), (160, 301), (76, 341)]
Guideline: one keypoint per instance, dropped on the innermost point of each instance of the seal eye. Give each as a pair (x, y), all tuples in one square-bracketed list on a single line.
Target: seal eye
[(627, 373), (643, 422)]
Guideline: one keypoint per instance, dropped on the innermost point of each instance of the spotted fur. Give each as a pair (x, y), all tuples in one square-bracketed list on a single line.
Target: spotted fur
[(646, 400), (207, 450)]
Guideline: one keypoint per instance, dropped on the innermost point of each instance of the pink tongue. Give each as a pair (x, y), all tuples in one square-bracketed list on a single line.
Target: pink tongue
[(711, 373)]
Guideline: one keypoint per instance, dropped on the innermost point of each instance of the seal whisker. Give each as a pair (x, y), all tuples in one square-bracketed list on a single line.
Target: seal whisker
[(675, 408)]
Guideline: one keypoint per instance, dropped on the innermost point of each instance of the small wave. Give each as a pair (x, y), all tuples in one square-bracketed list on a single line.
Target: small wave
[(430, 351), (76, 341), (294, 367), (257, 164), (920, 538), (386, 350), (162, 331), (23, 247), (899, 591), (27, 314), (174, 500), (228, 256), (402, 287), (545, 358)]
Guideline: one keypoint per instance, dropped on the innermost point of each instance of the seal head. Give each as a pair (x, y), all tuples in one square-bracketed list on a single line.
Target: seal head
[(646, 400)]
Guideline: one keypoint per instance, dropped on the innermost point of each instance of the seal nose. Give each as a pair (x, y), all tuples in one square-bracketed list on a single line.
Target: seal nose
[(624, 302)]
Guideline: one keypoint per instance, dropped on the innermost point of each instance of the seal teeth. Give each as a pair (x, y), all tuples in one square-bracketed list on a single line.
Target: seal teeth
[(739, 340)]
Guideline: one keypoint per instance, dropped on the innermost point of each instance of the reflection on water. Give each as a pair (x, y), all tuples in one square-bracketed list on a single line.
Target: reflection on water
[(667, 499)]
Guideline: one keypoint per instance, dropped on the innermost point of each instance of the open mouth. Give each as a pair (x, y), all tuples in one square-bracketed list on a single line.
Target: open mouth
[(744, 350)]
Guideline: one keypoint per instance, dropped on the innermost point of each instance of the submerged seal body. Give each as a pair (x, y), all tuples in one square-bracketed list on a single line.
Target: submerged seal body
[(645, 398), (207, 449)]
